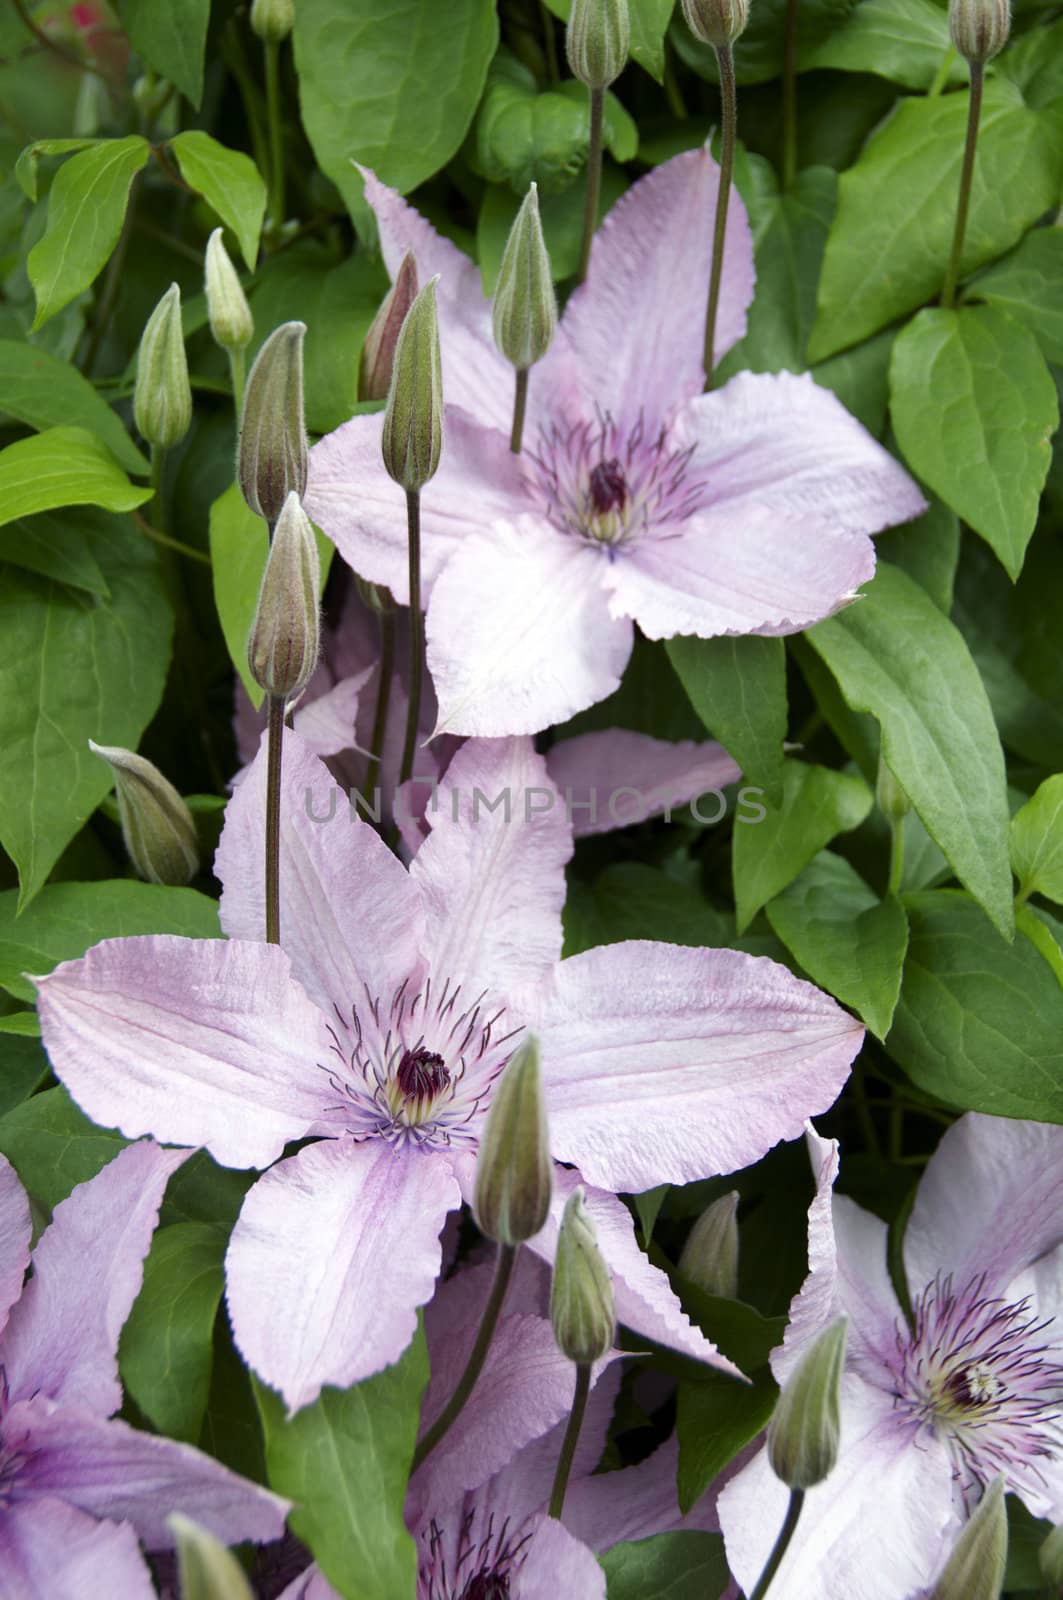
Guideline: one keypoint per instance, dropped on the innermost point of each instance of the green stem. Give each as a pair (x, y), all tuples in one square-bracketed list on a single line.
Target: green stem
[(520, 406), (941, 77), (789, 96), (232, 50), (507, 1255), (571, 1439), (111, 283), (896, 855), (725, 60), (553, 71), (273, 819), (158, 516), (383, 699), (782, 1544), (413, 713), (276, 134), (238, 368), (158, 537), (672, 92), (974, 111), (594, 181)]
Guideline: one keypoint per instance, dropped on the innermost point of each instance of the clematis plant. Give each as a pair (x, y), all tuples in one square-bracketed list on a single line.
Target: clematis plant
[(637, 498), (78, 1488), (378, 1032), (935, 1407)]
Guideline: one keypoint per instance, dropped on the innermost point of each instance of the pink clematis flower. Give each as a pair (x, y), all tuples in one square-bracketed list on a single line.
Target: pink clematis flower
[(78, 1488), (637, 498), (379, 1030), (933, 1411)]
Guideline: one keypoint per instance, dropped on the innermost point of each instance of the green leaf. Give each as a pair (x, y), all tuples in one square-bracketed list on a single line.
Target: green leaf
[(894, 654), (23, 1066), (980, 1023), (62, 467), (393, 87), (74, 668), (667, 1566), (847, 940), (889, 246), (167, 1347), (1037, 842), (1028, 285), (1030, 922), (758, 54), (649, 22), (928, 550), (86, 209), (38, 388), (229, 182), (562, 219), (524, 136), (171, 38), (631, 900), (817, 803), (860, 377), (21, 1024), (1035, 63), (53, 1146), (904, 41), (974, 407), (54, 545), (29, 160), (716, 1417), (344, 1461), (738, 688)]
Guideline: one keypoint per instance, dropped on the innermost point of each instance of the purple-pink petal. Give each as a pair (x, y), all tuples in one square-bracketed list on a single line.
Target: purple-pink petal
[(49, 1549), (556, 1564), (616, 777), (15, 1232)]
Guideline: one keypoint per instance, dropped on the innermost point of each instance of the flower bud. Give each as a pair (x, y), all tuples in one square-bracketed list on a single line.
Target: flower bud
[(413, 422), (979, 28), (271, 456), (513, 1168), (710, 1256), (803, 1433), (716, 22), (581, 1295), (1050, 1557), (525, 309), (273, 20), (975, 1569), (207, 1570), (157, 826), (892, 800), (282, 650), (162, 396), (231, 321), (597, 40), (376, 596), (378, 351)]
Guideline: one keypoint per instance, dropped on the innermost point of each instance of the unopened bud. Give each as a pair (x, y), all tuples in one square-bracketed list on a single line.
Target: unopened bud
[(282, 650), (162, 396), (716, 22), (513, 1168), (157, 826), (803, 1433), (207, 1570), (1050, 1557), (273, 20), (710, 1256), (378, 351), (581, 1295), (271, 457), (525, 309), (975, 1569), (979, 28), (413, 422), (231, 321), (376, 596), (892, 800), (597, 40)]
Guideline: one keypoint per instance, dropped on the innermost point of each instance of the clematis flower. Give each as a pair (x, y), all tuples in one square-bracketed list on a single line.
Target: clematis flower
[(379, 1030), (931, 1412), (78, 1488), (637, 499)]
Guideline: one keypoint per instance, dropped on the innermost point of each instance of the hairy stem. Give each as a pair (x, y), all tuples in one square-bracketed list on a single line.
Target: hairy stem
[(594, 181), (725, 59), (571, 1439), (273, 819), (413, 713), (383, 699), (974, 112), (782, 1544), (520, 405), (238, 368)]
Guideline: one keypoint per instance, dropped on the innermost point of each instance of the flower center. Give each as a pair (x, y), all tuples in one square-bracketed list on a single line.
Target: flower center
[(487, 1586), (422, 1074), (470, 1560)]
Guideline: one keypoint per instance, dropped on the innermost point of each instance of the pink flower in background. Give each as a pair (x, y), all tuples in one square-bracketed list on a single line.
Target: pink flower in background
[(637, 497)]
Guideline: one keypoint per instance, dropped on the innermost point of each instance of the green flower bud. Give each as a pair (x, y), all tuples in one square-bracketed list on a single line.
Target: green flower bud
[(231, 321), (413, 422), (710, 1256), (513, 1169), (283, 647), (979, 28), (975, 1569), (273, 20), (892, 800), (525, 309), (377, 596), (271, 456), (207, 1570), (803, 1433), (581, 1295), (1050, 1557), (716, 22), (597, 41), (157, 826), (162, 397), (378, 351)]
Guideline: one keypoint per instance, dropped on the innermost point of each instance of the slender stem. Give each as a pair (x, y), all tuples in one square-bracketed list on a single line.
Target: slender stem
[(941, 77), (238, 367), (158, 537), (413, 713), (549, 43), (273, 819), (109, 293), (725, 60), (789, 96), (520, 405), (672, 92), (594, 181), (507, 1255), (276, 133), (571, 1439), (782, 1543), (974, 111), (158, 515), (896, 855), (383, 699), (232, 50)]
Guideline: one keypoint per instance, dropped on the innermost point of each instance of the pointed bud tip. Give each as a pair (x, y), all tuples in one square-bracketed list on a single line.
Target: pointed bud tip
[(1050, 1557), (979, 28), (709, 1257), (378, 351), (804, 1430), (412, 440), (524, 316), (514, 1173), (975, 1569), (158, 829), (716, 22), (206, 1569), (272, 453), (597, 41), (162, 393), (231, 322), (283, 646), (582, 1310)]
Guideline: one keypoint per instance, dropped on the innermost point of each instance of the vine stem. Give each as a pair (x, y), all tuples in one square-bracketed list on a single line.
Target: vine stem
[(725, 60), (238, 369), (520, 406), (789, 96), (594, 181), (413, 713), (276, 133), (383, 700), (571, 1439), (974, 112), (896, 855), (273, 819), (782, 1544)]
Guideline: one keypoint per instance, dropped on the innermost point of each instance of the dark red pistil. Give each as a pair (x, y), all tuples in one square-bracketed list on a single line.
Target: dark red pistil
[(486, 1586), (608, 487), (421, 1074)]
